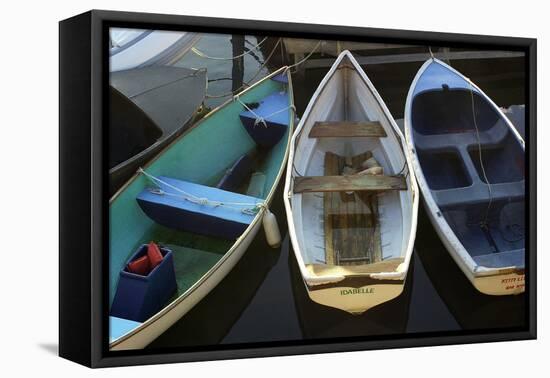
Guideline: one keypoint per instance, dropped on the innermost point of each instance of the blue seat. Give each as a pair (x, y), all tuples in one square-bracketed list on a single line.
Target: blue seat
[(172, 210), (118, 327), (281, 78), (276, 108), (235, 176)]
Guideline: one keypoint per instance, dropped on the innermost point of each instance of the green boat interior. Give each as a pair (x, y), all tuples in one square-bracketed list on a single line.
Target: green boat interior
[(203, 155)]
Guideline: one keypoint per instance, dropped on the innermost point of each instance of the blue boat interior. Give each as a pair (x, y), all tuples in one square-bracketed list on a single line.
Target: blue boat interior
[(476, 175)]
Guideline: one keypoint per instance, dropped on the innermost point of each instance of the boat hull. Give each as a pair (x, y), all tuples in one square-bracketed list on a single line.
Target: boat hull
[(497, 281), (155, 326), (143, 48), (128, 222), (355, 300), (171, 101), (333, 275)]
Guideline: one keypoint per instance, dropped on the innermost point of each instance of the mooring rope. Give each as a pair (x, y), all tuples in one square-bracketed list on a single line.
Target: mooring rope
[(247, 84), (248, 208), (306, 57), (249, 81), (203, 55), (484, 222), (194, 74), (259, 118), (431, 53)]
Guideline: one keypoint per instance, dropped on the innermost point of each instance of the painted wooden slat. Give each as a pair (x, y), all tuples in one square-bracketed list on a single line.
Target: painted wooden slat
[(309, 184), (344, 129), (389, 265)]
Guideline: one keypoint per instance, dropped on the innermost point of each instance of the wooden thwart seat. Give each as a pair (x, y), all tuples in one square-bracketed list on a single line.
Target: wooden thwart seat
[(345, 129), (308, 184)]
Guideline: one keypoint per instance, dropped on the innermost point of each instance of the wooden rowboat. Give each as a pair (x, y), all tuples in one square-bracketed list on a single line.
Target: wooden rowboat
[(350, 197), (200, 176), (469, 161)]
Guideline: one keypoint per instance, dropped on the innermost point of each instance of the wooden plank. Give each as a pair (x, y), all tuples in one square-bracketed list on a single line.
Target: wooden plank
[(310, 184), (305, 46), (351, 229), (364, 214), (418, 57), (389, 265), (345, 129), (331, 167)]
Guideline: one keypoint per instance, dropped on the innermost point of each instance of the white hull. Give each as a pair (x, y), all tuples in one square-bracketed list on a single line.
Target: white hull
[(349, 95), (356, 300), (504, 280), (507, 281), (132, 48)]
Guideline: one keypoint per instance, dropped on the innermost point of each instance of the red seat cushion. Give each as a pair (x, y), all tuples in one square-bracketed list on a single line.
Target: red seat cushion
[(140, 266), (154, 254)]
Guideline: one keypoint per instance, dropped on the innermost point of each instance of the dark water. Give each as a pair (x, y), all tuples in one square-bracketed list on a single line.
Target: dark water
[(264, 299)]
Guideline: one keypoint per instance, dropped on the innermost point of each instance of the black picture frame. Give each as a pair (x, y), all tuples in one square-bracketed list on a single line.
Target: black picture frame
[(83, 195)]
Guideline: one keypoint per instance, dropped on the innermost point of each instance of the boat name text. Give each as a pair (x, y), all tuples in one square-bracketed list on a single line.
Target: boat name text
[(362, 290)]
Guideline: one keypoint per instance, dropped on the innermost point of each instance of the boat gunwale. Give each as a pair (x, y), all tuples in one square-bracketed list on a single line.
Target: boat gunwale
[(460, 255), (311, 280), (169, 307)]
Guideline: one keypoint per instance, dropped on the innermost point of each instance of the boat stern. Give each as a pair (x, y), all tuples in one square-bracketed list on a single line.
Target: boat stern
[(355, 298)]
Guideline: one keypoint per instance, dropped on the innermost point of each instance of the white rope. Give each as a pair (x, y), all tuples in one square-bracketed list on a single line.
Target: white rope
[(306, 58), (484, 223), (194, 74), (203, 55), (260, 119), (250, 208)]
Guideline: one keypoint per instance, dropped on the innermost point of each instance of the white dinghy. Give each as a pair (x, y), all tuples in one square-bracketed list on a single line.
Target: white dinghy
[(470, 164), (350, 194)]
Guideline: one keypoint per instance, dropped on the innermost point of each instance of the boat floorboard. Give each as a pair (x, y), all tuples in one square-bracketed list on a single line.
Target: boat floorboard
[(352, 235)]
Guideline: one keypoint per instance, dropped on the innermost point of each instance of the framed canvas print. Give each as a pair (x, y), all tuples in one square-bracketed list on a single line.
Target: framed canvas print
[(235, 188)]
